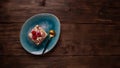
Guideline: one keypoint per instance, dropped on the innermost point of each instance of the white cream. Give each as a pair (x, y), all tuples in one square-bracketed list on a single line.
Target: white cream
[(30, 35)]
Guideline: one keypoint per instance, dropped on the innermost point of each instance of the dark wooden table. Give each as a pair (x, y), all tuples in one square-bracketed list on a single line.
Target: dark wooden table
[(90, 34)]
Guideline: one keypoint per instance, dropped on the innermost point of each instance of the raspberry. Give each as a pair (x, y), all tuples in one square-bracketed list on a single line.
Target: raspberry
[(34, 37), (33, 33), (39, 34)]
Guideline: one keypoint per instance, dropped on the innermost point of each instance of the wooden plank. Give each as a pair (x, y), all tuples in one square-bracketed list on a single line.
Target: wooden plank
[(73, 10), (90, 34), (75, 39), (31, 61)]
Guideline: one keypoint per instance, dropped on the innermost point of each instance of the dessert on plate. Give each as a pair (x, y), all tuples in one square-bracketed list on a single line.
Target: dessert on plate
[(37, 34)]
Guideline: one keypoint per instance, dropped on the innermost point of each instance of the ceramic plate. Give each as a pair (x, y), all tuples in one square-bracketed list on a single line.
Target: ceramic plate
[(47, 21)]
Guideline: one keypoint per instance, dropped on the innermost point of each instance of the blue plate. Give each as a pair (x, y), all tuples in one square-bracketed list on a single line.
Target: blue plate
[(47, 22)]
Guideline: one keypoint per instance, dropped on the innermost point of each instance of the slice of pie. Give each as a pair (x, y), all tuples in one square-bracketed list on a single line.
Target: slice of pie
[(37, 34)]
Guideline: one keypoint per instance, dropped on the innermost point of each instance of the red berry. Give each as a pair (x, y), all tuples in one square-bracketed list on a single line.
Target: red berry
[(34, 37), (33, 33), (39, 34)]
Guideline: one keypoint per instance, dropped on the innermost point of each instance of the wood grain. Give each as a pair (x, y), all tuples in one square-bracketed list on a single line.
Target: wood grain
[(90, 34), (61, 62), (75, 39), (19, 11)]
